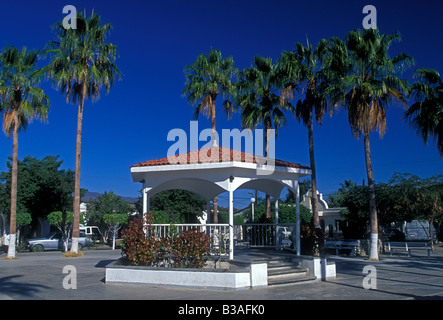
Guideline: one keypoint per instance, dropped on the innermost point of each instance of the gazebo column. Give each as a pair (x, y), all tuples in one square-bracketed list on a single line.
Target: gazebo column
[(146, 201), (231, 224), (276, 210), (277, 240), (297, 217)]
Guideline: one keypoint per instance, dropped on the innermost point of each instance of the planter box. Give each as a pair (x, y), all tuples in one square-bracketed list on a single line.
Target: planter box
[(251, 276)]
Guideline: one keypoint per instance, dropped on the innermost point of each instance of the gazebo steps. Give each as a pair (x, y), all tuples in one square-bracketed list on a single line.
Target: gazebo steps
[(291, 280), (281, 272)]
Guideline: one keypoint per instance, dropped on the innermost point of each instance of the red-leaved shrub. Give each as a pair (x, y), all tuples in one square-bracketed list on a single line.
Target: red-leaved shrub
[(139, 244), (191, 249), (142, 247)]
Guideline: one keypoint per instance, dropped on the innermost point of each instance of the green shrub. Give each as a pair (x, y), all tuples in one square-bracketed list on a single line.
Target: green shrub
[(162, 216)]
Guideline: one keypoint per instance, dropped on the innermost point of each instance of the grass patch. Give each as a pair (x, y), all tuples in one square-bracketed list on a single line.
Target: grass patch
[(69, 254)]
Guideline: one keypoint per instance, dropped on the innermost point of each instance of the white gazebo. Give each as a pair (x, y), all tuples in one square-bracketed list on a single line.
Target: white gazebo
[(212, 171)]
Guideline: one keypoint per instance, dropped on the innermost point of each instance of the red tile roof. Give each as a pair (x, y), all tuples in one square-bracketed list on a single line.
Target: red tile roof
[(224, 155)]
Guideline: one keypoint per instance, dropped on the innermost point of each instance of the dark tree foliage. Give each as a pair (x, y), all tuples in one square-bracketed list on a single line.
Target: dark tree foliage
[(179, 205), (43, 187), (106, 203), (405, 197)]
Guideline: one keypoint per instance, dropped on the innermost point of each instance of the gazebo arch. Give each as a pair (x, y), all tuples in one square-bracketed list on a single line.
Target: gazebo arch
[(202, 187), (208, 177)]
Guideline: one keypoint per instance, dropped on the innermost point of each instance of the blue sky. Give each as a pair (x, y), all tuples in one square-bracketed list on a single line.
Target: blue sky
[(156, 39)]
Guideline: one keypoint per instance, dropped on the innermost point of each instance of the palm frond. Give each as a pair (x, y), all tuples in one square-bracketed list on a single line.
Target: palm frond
[(370, 82), (20, 99), (82, 57), (426, 112), (209, 76)]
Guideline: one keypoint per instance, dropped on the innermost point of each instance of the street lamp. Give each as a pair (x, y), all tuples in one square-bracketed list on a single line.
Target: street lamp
[(252, 205)]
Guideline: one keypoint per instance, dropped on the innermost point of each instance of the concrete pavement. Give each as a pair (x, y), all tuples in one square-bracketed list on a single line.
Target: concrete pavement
[(40, 276)]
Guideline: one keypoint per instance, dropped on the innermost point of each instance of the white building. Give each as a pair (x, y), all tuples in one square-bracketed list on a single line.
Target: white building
[(330, 220)]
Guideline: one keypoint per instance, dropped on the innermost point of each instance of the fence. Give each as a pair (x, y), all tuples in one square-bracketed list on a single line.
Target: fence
[(260, 235), (269, 235), (219, 234)]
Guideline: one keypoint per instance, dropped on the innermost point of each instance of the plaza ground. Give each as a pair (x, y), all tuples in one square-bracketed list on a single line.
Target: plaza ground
[(40, 276)]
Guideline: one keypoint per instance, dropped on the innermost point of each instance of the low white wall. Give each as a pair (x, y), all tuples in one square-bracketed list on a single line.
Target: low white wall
[(319, 267), (256, 276), (252, 276)]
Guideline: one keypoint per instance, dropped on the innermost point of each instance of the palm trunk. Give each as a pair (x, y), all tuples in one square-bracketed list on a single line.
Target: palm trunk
[(314, 199), (12, 217), (215, 208), (268, 206), (78, 146), (373, 254), (268, 126), (214, 144), (213, 138)]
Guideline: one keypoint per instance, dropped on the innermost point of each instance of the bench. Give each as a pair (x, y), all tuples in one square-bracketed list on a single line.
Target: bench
[(342, 245), (408, 246)]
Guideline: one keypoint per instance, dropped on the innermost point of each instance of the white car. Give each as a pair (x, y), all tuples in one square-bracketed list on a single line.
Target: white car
[(92, 232), (54, 241)]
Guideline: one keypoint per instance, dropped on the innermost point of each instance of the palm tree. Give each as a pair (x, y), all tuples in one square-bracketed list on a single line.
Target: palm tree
[(21, 102), (303, 70), (426, 114), (367, 89), (346, 186), (82, 62), (259, 102), (207, 78)]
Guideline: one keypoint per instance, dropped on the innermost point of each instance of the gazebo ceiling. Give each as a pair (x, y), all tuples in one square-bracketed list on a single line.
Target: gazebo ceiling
[(202, 187)]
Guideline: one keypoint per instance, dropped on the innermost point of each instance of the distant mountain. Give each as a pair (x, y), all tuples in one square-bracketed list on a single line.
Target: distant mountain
[(91, 196), (130, 199)]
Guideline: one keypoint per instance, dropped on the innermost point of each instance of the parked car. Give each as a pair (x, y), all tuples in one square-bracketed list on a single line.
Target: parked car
[(54, 241), (419, 231)]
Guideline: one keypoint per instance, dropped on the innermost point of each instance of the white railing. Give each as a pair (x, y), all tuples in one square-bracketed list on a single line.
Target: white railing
[(250, 234), (218, 232)]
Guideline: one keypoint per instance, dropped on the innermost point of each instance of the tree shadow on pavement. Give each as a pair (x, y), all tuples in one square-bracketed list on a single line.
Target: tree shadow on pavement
[(103, 263), (10, 287)]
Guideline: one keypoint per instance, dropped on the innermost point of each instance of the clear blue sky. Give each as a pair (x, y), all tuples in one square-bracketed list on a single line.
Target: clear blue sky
[(156, 39)]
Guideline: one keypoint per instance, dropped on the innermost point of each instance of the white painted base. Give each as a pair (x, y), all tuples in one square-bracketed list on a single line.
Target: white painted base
[(373, 254), (256, 276), (74, 245), (11, 247)]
